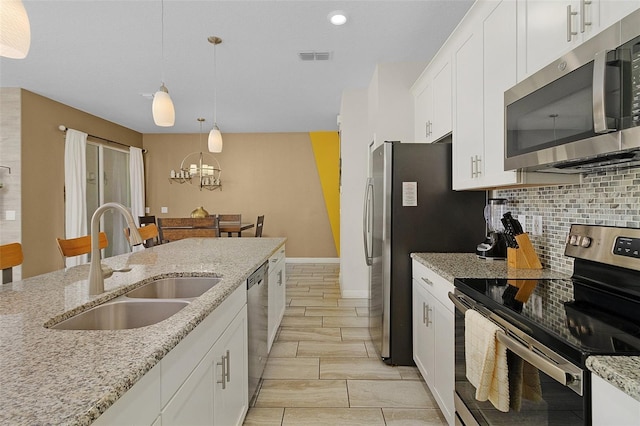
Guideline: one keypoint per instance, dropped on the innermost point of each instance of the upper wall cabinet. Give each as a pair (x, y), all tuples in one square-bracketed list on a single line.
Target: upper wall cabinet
[(390, 104), (549, 28), (433, 103), (484, 67)]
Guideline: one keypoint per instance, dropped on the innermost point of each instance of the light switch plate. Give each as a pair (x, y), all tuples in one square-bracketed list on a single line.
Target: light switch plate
[(523, 221), (164, 209), (10, 215), (147, 210)]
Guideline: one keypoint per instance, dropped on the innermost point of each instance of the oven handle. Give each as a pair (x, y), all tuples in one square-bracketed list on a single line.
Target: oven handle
[(571, 376), (560, 375)]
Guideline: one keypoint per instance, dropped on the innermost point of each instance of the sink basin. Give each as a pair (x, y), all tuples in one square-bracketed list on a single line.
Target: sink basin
[(174, 288), (122, 314)]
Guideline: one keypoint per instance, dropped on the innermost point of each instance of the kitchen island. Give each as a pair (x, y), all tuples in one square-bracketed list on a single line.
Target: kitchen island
[(52, 376)]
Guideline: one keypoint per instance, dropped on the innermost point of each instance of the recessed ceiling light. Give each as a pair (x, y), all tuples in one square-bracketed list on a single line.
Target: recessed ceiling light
[(337, 17)]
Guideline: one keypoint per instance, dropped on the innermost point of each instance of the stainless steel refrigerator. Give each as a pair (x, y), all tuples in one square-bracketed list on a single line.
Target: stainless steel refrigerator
[(410, 207)]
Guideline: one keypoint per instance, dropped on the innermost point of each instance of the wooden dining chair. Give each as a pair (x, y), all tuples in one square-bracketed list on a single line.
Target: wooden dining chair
[(259, 225), (10, 256), (149, 234), (81, 245), (230, 219), (173, 229), (147, 220)]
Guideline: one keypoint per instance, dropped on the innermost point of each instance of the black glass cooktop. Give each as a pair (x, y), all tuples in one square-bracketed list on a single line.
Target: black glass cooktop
[(569, 317)]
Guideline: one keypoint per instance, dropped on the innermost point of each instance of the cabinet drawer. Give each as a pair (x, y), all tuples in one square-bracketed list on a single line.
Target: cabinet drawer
[(276, 257), (438, 286)]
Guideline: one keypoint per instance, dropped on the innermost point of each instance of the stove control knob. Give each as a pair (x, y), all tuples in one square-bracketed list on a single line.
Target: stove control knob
[(574, 240), (586, 242)]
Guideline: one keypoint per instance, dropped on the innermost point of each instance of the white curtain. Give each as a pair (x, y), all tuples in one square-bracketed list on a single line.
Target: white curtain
[(75, 182), (136, 173)]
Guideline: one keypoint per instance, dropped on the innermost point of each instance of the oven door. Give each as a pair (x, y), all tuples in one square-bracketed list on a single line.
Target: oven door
[(551, 403)]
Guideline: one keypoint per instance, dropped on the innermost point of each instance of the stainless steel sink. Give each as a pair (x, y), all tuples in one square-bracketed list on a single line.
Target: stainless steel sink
[(122, 314), (174, 288)]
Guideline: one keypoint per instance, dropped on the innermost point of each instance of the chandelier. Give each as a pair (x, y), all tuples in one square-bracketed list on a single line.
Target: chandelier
[(200, 168)]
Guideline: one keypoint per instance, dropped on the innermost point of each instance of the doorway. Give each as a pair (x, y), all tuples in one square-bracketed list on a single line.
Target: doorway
[(108, 180)]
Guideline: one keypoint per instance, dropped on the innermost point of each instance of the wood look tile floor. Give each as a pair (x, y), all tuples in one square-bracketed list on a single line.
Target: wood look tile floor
[(323, 368)]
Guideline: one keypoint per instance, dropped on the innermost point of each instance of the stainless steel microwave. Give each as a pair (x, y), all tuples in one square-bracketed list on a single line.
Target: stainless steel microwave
[(582, 112)]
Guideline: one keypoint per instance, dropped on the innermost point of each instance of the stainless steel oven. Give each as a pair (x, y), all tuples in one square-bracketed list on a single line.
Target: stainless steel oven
[(551, 326), (581, 112), (560, 399)]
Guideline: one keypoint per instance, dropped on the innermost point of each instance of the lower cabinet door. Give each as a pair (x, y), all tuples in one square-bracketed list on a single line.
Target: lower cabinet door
[(423, 332), (444, 382), (193, 402), (216, 392), (231, 393)]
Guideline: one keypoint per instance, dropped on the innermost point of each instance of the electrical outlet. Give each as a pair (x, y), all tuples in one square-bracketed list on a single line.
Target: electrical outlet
[(523, 222), (536, 228), (147, 210), (164, 209)]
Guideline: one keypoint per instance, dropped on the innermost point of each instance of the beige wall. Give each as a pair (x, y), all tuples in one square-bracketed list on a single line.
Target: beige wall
[(272, 174), (43, 174)]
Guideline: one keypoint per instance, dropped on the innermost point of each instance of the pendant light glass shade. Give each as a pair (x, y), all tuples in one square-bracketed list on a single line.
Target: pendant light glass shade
[(215, 139), (15, 32), (164, 115)]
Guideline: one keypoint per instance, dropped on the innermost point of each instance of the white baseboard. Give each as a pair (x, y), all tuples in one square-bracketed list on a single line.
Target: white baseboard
[(355, 294), (313, 260)]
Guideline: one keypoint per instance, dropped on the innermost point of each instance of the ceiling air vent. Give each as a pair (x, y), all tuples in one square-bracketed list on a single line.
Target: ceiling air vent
[(314, 56)]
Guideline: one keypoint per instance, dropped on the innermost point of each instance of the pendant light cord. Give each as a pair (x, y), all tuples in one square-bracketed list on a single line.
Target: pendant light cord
[(162, 39), (215, 87)]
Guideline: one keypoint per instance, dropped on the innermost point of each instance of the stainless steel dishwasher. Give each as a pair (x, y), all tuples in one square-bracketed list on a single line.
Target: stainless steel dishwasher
[(257, 322)]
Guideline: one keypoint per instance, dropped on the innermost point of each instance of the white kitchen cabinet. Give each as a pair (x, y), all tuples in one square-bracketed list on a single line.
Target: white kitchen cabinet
[(485, 67), (390, 103), (211, 394), (185, 387), (433, 336), (139, 405), (547, 29), (433, 104), (604, 396), (468, 143), (277, 293), (216, 391)]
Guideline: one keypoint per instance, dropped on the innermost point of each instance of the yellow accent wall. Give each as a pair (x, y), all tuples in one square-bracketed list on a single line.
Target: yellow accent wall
[(326, 150)]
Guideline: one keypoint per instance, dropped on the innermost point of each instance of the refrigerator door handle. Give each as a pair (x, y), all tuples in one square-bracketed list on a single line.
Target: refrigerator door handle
[(366, 221)]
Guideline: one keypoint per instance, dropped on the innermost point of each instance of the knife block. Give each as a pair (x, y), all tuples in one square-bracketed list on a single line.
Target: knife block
[(523, 257)]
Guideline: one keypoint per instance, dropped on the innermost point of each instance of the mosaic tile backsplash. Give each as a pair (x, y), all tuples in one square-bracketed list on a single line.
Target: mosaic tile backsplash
[(605, 198)]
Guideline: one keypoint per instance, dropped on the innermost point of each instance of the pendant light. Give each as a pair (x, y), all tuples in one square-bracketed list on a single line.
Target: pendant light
[(215, 137), (15, 36), (164, 114)]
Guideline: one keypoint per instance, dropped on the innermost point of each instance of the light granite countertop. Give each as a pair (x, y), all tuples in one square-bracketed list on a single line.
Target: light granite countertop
[(621, 371), (70, 377), (468, 265)]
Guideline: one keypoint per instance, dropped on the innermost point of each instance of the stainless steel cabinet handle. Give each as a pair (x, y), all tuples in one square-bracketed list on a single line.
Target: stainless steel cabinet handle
[(478, 166), (428, 318), (223, 375), (426, 281), (570, 14), (279, 278), (473, 168), (583, 20), (228, 367), (426, 129), (424, 313)]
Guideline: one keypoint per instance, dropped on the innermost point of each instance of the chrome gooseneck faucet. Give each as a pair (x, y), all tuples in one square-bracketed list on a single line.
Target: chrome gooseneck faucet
[(96, 279)]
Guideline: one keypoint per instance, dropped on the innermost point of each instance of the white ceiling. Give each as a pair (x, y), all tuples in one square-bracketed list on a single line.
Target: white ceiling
[(103, 56)]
